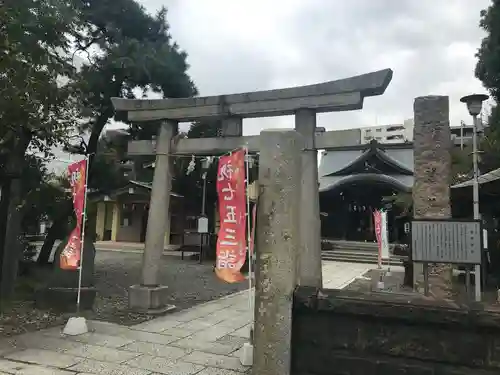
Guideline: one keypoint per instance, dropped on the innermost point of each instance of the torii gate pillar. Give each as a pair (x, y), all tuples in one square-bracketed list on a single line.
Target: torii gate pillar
[(147, 296), (309, 260)]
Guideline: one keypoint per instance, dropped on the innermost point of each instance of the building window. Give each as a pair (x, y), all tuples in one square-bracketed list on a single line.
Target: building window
[(378, 130), (395, 128), (393, 137), (127, 215)]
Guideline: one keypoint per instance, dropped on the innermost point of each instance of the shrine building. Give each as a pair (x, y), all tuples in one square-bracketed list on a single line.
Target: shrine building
[(353, 181)]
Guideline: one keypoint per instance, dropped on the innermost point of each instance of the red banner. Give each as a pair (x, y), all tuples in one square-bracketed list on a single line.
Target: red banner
[(231, 243), (70, 256), (377, 221)]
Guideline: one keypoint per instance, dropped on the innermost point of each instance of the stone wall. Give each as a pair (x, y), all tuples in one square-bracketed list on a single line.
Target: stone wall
[(346, 333)]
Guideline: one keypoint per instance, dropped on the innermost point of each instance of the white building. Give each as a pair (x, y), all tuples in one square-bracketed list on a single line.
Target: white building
[(394, 133), (462, 135)]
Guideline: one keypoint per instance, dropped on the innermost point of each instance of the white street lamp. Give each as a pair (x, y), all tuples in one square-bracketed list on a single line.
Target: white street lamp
[(203, 229), (205, 164), (474, 104)]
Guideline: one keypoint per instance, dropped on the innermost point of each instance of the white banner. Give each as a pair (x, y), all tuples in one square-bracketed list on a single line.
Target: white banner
[(384, 236)]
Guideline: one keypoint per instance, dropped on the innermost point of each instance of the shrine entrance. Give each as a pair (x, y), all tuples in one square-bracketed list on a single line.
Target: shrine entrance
[(347, 211)]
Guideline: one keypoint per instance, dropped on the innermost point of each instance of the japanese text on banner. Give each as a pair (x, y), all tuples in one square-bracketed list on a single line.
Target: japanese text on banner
[(231, 242), (70, 256), (377, 219), (380, 221)]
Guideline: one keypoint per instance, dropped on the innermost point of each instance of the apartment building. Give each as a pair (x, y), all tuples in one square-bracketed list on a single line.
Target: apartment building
[(462, 135), (394, 133), (400, 133)]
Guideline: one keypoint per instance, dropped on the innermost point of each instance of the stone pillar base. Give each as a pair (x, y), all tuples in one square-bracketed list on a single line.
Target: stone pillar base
[(149, 300)]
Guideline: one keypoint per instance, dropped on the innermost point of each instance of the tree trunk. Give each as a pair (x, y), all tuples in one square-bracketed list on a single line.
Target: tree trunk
[(12, 249), (57, 230), (4, 213), (11, 208)]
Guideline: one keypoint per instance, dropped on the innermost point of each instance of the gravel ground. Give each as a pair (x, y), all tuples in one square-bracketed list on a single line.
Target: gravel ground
[(189, 284)]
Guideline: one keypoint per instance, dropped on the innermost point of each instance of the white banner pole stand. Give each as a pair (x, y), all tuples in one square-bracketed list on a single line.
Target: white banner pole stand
[(76, 326), (246, 358), (380, 283)]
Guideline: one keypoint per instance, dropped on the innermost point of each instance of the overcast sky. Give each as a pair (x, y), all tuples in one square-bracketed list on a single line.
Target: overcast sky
[(245, 45)]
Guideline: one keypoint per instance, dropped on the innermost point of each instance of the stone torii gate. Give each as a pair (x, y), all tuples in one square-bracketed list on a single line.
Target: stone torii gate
[(304, 102)]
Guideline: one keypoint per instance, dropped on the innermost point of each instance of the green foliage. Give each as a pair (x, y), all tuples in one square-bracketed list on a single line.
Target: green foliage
[(191, 185), (488, 65), (126, 51), (461, 170), (135, 52), (461, 164), (107, 172), (490, 150), (43, 194), (35, 106), (488, 71)]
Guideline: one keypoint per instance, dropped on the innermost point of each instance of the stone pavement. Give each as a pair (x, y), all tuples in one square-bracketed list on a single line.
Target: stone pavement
[(203, 340)]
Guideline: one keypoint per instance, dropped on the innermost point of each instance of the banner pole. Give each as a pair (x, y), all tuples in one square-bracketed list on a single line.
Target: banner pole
[(246, 357), (82, 240), (249, 236)]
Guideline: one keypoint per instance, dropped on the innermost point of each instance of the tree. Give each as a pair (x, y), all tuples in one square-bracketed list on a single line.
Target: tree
[(461, 170), (488, 55), (36, 108), (192, 185), (488, 71), (135, 54), (107, 176)]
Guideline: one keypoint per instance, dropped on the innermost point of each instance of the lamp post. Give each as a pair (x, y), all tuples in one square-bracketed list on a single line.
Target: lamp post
[(474, 104), (205, 164), (203, 220)]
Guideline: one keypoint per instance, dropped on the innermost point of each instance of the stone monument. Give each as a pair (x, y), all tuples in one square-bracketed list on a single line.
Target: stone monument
[(432, 158), (61, 288)]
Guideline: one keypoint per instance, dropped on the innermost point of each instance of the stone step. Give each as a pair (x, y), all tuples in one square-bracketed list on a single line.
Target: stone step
[(361, 261), (357, 252), (352, 244), (357, 257)]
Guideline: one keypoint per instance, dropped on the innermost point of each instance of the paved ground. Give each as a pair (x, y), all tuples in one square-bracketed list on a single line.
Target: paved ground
[(203, 340), (394, 283)]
